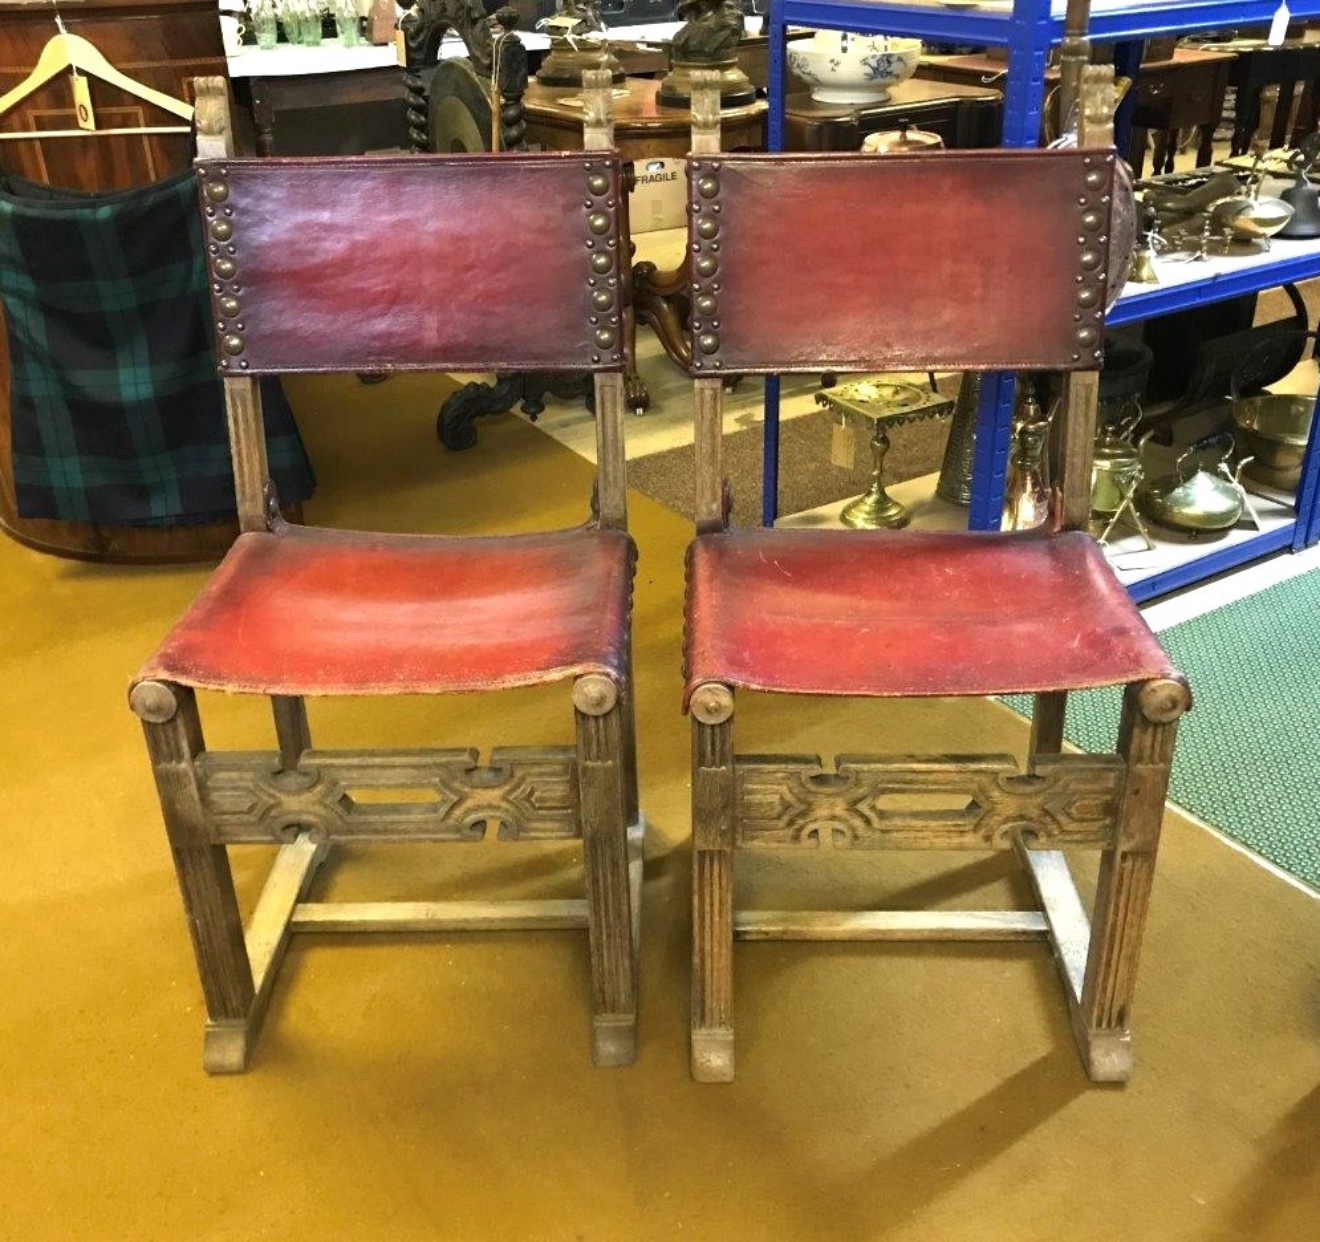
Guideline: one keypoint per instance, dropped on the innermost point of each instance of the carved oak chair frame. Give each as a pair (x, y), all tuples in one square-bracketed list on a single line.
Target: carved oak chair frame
[(298, 284), (895, 249)]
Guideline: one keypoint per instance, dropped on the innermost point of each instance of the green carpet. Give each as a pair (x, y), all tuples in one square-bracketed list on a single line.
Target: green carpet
[(1248, 754)]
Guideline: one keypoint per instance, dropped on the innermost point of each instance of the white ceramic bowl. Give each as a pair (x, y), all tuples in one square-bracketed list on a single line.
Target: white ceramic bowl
[(851, 69)]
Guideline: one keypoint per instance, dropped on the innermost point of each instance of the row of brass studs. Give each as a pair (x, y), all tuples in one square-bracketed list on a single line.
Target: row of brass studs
[(704, 234), (224, 267), (603, 281), (1092, 237)]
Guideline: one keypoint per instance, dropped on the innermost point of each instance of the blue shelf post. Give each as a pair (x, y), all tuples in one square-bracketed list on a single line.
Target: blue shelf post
[(776, 72), (1029, 48)]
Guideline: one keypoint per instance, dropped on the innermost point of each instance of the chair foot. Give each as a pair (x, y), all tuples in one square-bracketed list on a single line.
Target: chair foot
[(1107, 1055), (227, 1047), (613, 1040), (712, 1055)]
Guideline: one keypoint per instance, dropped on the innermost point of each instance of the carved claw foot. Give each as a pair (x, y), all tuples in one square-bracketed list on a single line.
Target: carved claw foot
[(461, 409)]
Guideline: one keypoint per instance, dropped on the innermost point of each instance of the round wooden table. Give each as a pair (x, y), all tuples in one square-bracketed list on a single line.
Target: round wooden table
[(643, 128)]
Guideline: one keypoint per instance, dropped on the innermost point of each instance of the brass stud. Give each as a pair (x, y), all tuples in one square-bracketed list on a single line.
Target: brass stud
[(233, 344), (598, 183), (1089, 260), (217, 191), (707, 227), (225, 268), (602, 299), (708, 186), (707, 305), (1094, 180), (1091, 220), (708, 342), (222, 230), (708, 265), (604, 338), (601, 263), (598, 222), (1086, 337)]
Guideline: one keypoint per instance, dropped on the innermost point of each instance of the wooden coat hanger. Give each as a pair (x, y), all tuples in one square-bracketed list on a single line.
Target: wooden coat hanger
[(76, 54)]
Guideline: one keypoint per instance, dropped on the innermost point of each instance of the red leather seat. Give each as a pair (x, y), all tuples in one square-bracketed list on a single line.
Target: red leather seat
[(309, 611), (911, 613)]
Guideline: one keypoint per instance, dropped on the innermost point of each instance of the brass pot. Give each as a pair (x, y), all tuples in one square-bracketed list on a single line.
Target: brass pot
[(1275, 428), (1116, 465), (905, 138), (1200, 500)]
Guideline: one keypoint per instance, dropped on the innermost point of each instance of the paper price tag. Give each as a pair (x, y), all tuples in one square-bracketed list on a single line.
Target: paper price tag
[(843, 448), (400, 49), (1279, 26), (82, 103)]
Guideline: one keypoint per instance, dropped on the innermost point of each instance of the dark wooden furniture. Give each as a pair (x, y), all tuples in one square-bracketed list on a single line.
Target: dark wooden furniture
[(326, 113), (294, 611), (912, 614), (964, 116), (1289, 66), (1185, 91), (164, 45)]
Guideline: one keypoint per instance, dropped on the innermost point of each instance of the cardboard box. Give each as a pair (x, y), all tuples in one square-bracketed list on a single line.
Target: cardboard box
[(659, 197)]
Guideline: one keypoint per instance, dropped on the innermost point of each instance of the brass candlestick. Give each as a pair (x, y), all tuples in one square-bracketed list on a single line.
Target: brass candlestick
[(883, 403)]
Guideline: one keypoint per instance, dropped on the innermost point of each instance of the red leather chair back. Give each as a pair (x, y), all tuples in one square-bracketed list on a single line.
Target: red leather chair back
[(415, 262), (986, 260)]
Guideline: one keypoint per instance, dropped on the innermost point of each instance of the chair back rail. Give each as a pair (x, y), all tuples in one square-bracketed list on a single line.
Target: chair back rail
[(400, 263)]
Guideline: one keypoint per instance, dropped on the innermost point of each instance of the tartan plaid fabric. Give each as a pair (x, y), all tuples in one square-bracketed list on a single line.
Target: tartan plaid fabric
[(117, 412)]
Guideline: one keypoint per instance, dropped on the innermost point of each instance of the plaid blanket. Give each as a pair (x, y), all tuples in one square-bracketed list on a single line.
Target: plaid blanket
[(117, 413)]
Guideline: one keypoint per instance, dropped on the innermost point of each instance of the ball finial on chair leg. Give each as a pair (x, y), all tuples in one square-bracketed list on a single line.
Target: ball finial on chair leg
[(153, 701), (712, 704), (1164, 700), (595, 694)]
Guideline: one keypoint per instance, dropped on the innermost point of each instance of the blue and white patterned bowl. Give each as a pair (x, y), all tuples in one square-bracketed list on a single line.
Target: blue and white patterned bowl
[(849, 69)]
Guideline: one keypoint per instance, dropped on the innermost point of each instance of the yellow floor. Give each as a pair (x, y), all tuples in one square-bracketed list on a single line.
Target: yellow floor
[(441, 1088)]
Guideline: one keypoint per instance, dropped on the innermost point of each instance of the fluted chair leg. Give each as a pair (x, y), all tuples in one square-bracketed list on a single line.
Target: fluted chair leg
[(1146, 736), (712, 885), (604, 808), (174, 740)]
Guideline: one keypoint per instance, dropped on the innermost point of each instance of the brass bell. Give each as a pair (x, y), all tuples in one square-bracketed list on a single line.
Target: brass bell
[(1143, 268)]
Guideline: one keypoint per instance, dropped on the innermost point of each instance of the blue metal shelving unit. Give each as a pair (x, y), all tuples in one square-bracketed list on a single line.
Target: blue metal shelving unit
[(1028, 29)]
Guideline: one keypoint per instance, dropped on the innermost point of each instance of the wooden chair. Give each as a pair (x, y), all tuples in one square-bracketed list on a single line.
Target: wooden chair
[(962, 261), (301, 282)]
